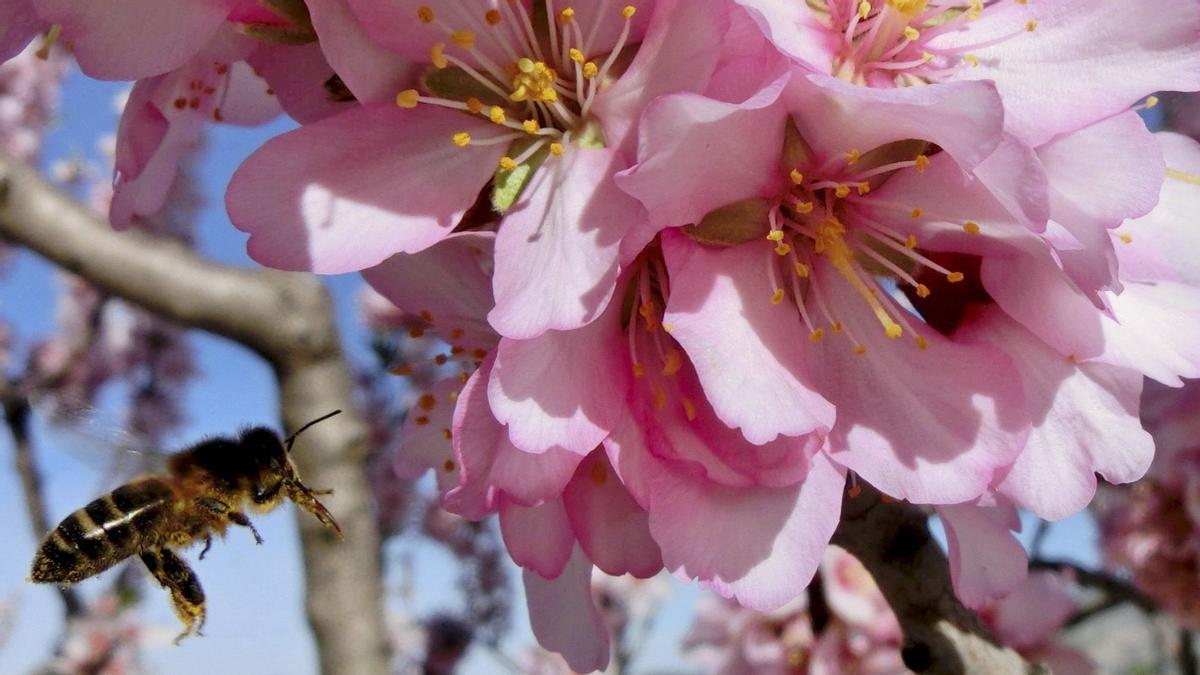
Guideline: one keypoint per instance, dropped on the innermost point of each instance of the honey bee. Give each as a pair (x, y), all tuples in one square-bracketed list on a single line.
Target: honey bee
[(202, 492)]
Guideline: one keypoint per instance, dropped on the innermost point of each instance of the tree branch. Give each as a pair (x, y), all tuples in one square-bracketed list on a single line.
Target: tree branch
[(941, 636), (287, 319), (1112, 586)]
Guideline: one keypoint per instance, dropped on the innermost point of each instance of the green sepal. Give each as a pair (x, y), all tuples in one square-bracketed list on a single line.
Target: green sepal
[(733, 224)]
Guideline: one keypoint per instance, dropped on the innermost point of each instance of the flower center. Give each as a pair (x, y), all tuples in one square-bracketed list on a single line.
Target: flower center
[(892, 43), (541, 91), (655, 357), (816, 218)]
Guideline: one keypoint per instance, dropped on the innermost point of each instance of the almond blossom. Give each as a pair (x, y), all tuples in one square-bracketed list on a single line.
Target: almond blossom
[(1100, 55), (537, 109)]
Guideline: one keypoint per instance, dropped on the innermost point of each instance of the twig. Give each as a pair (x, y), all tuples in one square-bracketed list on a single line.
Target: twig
[(16, 417), (1039, 538), (1188, 664), (1112, 586), (288, 320), (893, 541)]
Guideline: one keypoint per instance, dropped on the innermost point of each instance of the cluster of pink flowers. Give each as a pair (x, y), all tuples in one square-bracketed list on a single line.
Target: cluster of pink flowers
[(861, 634), (699, 260), (1152, 529)]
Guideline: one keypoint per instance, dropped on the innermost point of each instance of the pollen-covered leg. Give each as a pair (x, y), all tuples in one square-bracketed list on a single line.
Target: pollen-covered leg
[(236, 517), (187, 596)]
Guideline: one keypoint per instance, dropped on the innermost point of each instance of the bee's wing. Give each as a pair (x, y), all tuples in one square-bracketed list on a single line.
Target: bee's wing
[(114, 453)]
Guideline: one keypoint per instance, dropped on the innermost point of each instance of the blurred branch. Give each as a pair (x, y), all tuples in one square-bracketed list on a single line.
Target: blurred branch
[(287, 319), (1112, 586), (16, 417), (893, 541), (1188, 664)]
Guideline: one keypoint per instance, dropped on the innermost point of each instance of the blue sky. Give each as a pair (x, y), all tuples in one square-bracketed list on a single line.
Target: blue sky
[(256, 621)]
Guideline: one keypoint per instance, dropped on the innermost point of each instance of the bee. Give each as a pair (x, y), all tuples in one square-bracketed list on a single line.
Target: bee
[(203, 492)]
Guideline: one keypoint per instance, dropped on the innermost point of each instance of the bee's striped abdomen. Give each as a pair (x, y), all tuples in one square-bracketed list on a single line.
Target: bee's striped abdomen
[(103, 533)]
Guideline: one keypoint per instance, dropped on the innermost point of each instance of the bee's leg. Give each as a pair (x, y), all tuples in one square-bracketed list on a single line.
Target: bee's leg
[(207, 545), (239, 518), (186, 594), (236, 517)]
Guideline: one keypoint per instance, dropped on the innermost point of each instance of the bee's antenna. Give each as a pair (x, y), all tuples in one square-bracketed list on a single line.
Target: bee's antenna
[(291, 439)]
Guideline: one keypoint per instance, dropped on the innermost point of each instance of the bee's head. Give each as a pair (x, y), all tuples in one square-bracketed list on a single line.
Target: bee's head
[(276, 476)]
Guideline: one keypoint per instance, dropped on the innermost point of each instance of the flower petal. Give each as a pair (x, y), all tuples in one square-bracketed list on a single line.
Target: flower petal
[(538, 537), (564, 388), (324, 198), (610, 526), (796, 31), (132, 39), (927, 425), (373, 74), (1033, 613), (986, 561), (1101, 55), (556, 253), (758, 545), (19, 23), (744, 348), (564, 618)]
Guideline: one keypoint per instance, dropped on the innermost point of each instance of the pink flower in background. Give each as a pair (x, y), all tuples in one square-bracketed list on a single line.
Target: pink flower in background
[(1152, 529), (547, 110), (1101, 55), (1030, 618)]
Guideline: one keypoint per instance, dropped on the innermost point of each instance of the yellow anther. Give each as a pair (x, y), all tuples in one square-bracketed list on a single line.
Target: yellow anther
[(1072, 358), (689, 409), (975, 10), (817, 335), (628, 11), (971, 227), (955, 277), (804, 207), (437, 55), (1125, 237), (493, 17), (859, 350), (425, 14), (922, 343), (842, 190), (926, 57), (909, 8), (893, 330), (668, 326), (802, 270), (496, 115), (673, 362), (864, 9), (1022, 2), (775, 236), (971, 59), (922, 163), (590, 70), (660, 396), (1150, 102), (916, 212), (566, 16), (474, 105), (922, 291), (531, 126), (462, 139), (463, 38), (446, 434), (533, 80), (796, 177), (911, 33), (852, 156), (777, 296), (507, 164), (783, 249), (864, 187), (1031, 25), (836, 327), (830, 241), (408, 98), (639, 371), (576, 55), (910, 241), (556, 149)]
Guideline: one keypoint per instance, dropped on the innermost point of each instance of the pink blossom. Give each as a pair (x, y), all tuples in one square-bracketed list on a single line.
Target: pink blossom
[(1029, 619), (1153, 528), (551, 151), (1101, 55), (803, 266)]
